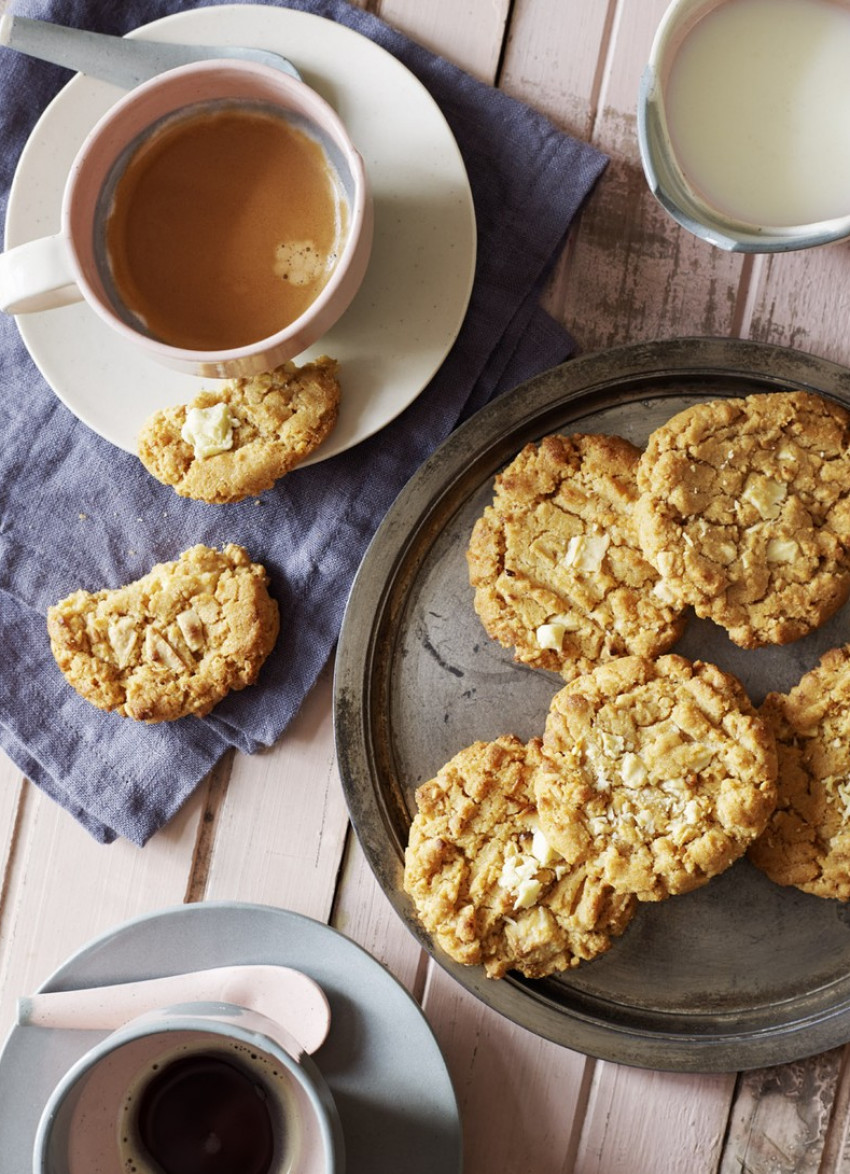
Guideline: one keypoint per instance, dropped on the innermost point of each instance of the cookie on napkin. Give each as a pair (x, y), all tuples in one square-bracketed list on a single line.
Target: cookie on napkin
[(485, 882), (656, 775), (556, 564), (807, 841), (238, 441), (172, 643), (745, 511)]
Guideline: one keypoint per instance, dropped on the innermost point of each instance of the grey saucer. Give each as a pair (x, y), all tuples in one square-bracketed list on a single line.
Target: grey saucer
[(387, 1074)]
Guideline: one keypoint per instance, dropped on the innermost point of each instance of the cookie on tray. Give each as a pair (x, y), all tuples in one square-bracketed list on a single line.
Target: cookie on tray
[(483, 879), (807, 841), (172, 643), (745, 511), (657, 774), (556, 564), (238, 441)]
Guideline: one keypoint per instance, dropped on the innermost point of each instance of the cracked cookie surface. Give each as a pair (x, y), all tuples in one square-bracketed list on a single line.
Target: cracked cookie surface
[(745, 511), (807, 840), (556, 564), (484, 881), (271, 422), (173, 642), (657, 775)]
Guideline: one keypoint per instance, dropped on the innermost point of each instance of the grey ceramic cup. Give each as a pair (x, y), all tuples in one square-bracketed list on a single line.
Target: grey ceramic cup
[(87, 1126)]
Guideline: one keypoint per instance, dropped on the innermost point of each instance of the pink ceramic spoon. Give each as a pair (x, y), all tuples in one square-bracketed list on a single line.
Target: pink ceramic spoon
[(286, 996)]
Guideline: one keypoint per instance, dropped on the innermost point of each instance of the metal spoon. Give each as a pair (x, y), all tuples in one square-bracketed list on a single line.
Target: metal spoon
[(122, 61)]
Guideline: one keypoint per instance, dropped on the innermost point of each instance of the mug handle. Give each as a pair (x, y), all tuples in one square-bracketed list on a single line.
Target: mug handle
[(38, 275)]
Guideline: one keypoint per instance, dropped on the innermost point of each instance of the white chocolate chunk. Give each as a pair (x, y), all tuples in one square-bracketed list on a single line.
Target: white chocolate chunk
[(585, 552), (542, 850), (634, 770), (644, 819), (518, 877), (191, 628), (208, 430), (765, 494), (612, 744), (782, 550), (664, 592), (157, 649), (527, 894), (123, 636), (551, 636), (700, 756), (691, 814)]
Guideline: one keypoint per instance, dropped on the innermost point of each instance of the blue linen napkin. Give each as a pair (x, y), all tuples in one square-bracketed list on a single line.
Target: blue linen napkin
[(77, 512)]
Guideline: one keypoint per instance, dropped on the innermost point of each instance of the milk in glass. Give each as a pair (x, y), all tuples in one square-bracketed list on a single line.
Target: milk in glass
[(757, 101)]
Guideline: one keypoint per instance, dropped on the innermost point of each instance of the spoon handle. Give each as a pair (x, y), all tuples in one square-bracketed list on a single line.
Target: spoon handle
[(124, 62)]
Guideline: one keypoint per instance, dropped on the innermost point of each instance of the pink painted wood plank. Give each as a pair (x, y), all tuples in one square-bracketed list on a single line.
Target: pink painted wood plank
[(468, 33), (802, 300), (505, 1075), (363, 912), (554, 59), (282, 824), (652, 1121), (521, 1097), (630, 272), (12, 786)]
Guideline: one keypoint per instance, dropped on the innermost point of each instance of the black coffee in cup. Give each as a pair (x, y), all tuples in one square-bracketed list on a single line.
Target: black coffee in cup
[(204, 1113), (207, 1106)]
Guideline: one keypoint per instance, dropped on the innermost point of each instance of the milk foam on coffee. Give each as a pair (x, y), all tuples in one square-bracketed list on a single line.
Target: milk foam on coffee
[(223, 227), (757, 103)]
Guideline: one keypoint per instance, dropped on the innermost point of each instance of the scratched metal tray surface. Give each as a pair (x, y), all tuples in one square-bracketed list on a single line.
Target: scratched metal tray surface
[(739, 974)]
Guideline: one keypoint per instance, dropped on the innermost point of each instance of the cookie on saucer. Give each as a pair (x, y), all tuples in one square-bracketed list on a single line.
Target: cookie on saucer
[(238, 441), (745, 511), (556, 563), (172, 643), (656, 775), (807, 840), (484, 880)]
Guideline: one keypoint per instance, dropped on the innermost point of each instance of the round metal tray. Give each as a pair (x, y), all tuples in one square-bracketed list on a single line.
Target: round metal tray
[(739, 974)]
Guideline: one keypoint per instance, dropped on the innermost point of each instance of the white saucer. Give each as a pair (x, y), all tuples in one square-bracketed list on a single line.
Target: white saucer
[(406, 315), (381, 1061)]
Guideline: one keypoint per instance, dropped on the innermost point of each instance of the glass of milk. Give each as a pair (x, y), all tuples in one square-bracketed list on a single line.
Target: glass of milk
[(744, 121)]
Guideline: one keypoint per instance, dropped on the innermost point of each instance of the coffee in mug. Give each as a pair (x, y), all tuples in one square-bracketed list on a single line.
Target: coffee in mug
[(217, 218), (222, 227)]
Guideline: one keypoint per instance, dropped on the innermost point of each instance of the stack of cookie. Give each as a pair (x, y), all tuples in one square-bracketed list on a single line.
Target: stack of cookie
[(653, 773)]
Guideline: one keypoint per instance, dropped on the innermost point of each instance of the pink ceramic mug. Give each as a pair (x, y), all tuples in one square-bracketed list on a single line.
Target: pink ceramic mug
[(68, 267)]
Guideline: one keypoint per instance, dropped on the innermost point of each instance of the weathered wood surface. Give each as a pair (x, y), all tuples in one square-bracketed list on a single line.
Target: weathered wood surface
[(273, 828)]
